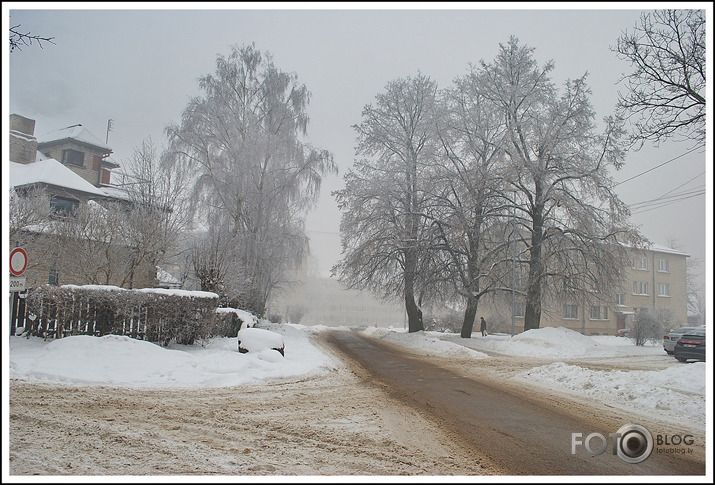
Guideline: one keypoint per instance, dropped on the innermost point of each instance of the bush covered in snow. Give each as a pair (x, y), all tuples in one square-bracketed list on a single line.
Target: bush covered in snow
[(231, 320)]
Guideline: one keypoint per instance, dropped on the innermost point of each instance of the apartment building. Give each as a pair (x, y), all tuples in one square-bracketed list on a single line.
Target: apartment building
[(656, 280)]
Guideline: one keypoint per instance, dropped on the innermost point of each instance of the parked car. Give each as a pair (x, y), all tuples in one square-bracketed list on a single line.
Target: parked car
[(252, 339), (670, 338), (624, 332), (691, 346)]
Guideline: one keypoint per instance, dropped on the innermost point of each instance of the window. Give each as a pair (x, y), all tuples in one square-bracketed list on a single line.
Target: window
[(621, 299), (571, 311), (519, 309), (640, 262), (640, 287), (73, 157), (663, 289), (54, 277), (663, 266), (599, 313), (62, 206)]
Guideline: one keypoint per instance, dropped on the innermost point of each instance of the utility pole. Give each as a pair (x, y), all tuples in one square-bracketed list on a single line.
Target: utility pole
[(513, 272)]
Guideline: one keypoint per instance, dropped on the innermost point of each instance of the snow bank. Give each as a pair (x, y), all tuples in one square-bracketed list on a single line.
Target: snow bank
[(429, 343), (550, 342), (125, 362), (676, 391)]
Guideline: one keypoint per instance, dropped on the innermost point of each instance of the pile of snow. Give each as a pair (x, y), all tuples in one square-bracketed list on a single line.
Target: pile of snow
[(428, 343), (557, 342), (125, 362), (260, 340), (676, 391)]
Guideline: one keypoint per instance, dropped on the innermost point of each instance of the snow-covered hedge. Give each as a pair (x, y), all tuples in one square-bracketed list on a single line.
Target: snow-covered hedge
[(231, 320), (154, 314)]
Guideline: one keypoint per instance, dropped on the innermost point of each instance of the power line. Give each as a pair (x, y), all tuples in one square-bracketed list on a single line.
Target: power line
[(664, 203), (657, 166)]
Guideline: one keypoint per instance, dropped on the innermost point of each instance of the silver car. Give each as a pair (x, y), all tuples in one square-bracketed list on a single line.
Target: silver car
[(672, 337)]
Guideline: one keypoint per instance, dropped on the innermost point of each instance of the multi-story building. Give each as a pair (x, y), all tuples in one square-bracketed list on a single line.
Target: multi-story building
[(72, 167), (656, 280)]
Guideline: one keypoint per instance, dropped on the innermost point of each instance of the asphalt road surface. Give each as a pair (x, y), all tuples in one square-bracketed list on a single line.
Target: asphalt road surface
[(522, 433)]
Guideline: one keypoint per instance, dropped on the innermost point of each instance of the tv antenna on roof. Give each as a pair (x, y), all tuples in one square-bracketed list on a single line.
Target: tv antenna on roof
[(109, 128)]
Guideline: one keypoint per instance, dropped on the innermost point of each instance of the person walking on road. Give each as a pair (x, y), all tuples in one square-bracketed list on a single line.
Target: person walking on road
[(483, 327)]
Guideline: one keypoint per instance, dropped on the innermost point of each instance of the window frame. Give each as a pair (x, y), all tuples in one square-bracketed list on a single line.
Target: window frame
[(66, 206), (73, 157), (567, 313)]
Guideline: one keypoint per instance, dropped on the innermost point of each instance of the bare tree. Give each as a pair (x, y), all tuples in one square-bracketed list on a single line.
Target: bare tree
[(571, 222), (665, 94), (155, 187), (467, 211), (244, 138), (384, 226), (19, 38)]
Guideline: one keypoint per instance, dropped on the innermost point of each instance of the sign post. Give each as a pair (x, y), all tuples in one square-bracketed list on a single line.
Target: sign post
[(18, 264)]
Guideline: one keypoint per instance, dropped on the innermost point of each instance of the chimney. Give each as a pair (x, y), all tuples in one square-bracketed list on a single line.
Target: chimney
[(23, 144)]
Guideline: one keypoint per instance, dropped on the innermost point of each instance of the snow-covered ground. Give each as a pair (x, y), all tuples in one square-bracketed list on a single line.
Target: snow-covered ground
[(672, 390)]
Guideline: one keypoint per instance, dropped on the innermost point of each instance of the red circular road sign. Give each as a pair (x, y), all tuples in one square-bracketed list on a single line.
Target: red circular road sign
[(18, 261)]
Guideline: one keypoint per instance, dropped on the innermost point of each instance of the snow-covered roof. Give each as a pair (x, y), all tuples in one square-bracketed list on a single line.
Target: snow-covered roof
[(74, 132), (665, 249), (657, 248), (166, 277), (49, 171), (115, 192)]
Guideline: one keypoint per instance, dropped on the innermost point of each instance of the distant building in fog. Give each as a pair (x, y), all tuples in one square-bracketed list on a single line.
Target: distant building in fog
[(324, 301)]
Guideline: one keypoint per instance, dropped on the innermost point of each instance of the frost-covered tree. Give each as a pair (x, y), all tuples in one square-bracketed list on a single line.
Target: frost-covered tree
[(467, 209), (384, 227), (244, 137), (29, 209), (570, 221), (665, 92)]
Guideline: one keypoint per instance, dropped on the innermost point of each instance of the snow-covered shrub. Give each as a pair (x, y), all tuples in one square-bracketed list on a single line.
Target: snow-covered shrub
[(230, 320), (258, 339)]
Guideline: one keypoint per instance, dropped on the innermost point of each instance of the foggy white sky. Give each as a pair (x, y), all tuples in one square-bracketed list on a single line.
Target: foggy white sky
[(140, 67)]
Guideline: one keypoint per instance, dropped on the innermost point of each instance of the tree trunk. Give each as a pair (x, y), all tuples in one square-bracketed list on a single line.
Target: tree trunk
[(532, 315), (469, 315), (414, 314)]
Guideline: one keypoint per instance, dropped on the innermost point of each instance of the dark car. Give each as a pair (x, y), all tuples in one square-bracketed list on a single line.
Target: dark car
[(690, 346), (671, 337)]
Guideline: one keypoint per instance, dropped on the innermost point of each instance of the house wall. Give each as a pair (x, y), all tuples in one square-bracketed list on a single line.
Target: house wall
[(91, 166), (44, 256)]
